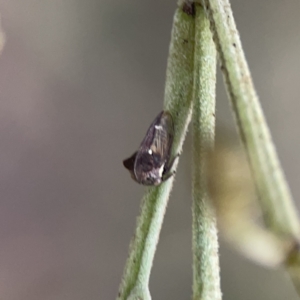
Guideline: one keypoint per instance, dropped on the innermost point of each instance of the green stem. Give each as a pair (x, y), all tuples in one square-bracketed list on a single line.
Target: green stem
[(178, 100), (206, 270), (279, 210)]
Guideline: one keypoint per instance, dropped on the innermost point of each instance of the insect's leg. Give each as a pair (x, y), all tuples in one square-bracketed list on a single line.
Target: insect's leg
[(167, 170), (166, 176), (170, 163)]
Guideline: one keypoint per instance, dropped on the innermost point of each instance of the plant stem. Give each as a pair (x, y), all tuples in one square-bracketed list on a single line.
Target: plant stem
[(206, 270), (279, 211), (178, 100)]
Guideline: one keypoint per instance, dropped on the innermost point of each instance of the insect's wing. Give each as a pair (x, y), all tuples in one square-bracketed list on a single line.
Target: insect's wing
[(147, 165), (157, 143)]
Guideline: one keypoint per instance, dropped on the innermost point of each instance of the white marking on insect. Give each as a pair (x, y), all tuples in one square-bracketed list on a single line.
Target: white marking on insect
[(158, 127), (150, 151), (161, 169)]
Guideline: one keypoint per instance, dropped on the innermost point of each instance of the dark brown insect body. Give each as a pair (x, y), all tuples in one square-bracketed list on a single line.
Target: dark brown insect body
[(151, 164)]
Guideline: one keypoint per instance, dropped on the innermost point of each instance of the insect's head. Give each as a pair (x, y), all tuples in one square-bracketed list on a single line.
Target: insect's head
[(153, 177)]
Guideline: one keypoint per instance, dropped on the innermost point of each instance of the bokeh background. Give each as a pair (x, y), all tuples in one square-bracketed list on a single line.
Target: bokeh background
[(80, 82)]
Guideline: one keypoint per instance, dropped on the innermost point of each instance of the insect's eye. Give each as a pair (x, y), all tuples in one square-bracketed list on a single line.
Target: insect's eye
[(156, 158)]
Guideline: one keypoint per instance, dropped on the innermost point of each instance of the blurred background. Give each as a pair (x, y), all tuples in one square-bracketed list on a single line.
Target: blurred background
[(80, 82)]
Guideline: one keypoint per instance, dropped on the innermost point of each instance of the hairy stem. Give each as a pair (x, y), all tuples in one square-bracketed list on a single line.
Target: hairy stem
[(178, 100), (280, 213), (206, 270)]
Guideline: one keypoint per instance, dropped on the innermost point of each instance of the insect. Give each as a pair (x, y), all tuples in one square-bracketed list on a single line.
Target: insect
[(152, 164)]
